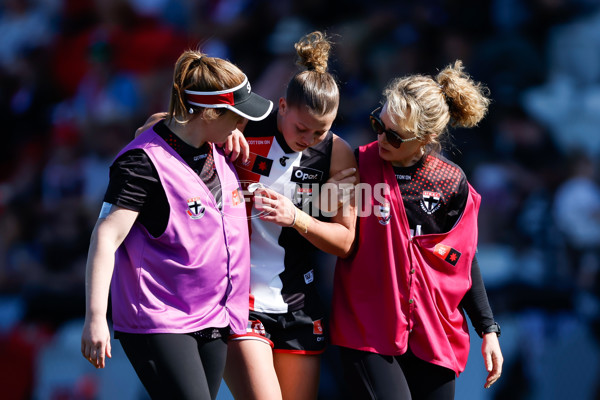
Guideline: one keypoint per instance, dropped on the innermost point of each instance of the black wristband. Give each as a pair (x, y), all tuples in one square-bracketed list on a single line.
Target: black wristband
[(494, 328)]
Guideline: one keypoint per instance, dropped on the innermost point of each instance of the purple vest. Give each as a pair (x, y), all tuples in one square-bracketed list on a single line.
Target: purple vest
[(196, 274)]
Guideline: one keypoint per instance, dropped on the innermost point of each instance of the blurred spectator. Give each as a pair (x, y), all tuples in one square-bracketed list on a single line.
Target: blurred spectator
[(24, 25), (61, 175), (568, 103), (21, 257), (99, 150), (577, 214), (272, 81), (26, 98), (55, 291), (105, 94)]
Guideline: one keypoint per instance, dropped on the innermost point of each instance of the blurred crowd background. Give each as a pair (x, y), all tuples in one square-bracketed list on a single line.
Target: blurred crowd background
[(77, 77)]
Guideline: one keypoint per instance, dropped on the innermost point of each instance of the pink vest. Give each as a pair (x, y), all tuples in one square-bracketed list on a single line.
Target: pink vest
[(394, 289), (196, 274)]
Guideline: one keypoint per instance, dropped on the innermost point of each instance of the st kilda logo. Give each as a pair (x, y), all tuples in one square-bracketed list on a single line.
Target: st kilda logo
[(382, 212), (195, 208), (430, 202)]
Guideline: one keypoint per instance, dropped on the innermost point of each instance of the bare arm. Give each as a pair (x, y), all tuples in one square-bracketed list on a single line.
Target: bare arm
[(107, 236), (335, 236)]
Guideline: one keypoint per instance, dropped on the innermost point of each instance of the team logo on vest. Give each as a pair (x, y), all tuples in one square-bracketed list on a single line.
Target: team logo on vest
[(447, 253), (236, 197), (306, 175), (430, 201), (382, 212), (195, 208), (318, 327)]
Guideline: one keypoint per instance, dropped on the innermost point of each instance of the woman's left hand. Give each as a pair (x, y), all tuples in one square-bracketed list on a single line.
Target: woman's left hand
[(343, 183), (235, 145), (274, 207), (492, 357)]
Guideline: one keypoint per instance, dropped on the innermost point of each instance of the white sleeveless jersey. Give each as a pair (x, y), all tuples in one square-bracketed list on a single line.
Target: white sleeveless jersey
[(282, 261)]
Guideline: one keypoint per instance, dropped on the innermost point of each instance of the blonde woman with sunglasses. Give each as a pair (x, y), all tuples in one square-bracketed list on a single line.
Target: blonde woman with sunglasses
[(399, 300)]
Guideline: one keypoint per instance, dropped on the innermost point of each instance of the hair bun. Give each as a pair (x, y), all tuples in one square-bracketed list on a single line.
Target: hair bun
[(467, 100), (313, 51)]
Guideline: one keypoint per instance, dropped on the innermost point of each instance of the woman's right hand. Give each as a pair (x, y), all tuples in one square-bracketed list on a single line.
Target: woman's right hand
[(274, 207), (95, 342), (113, 225)]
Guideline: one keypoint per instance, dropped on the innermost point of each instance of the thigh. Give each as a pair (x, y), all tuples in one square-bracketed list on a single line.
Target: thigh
[(427, 381), (249, 372), (213, 354), (373, 376), (298, 375), (139, 353), (170, 365)]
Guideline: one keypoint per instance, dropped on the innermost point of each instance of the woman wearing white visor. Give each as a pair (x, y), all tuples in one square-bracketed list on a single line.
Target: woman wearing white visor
[(171, 241)]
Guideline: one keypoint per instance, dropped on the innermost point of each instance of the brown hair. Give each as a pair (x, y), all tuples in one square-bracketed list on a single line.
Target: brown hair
[(196, 71), (313, 87), (426, 105)]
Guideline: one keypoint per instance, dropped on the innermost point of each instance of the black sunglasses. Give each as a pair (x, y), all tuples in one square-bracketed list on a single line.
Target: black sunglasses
[(378, 127)]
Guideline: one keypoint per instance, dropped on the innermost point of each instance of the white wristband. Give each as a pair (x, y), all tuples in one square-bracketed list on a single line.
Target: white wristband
[(295, 215)]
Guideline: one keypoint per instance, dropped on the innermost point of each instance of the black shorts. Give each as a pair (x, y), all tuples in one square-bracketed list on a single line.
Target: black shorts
[(292, 332)]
